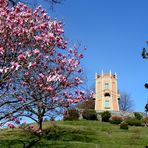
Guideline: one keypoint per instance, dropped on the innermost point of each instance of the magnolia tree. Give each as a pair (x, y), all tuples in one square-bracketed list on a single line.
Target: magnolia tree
[(41, 74)]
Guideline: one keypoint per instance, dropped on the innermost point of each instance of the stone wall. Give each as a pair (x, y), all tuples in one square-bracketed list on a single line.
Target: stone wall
[(123, 114)]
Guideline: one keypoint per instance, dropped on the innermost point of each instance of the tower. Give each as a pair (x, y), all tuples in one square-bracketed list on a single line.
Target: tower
[(107, 96)]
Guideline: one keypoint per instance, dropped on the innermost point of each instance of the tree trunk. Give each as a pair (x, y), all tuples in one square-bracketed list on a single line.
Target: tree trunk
[(40, 123)]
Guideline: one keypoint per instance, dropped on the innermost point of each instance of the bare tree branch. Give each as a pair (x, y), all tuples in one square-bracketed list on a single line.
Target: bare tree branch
[(125, 102), (52, 3)]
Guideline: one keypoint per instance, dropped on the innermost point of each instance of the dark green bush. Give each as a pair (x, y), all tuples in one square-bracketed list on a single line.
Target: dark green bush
[(134, 122), (71, 114), (138, 115), (124, 125), (116, 120), (89, 114), (105, 116)]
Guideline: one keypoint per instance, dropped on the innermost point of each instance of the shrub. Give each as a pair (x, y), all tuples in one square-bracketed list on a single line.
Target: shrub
[(105, 116), (89, 114), (116, 120), (138, 116), (71, 114), (145, 120), (124, 125), (134, 122)]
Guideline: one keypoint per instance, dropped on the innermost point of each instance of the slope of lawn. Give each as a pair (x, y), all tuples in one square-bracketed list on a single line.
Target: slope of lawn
[(77, 134)]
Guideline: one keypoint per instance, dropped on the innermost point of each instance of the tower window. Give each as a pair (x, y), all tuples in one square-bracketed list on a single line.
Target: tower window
[(106, 86), (106, 104), (107, 95)]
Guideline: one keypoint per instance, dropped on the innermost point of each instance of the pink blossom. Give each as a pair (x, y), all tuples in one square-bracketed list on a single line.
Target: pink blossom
[(24, 83), (38, 38), (15, 65), (21, 57), (36, 51), (27, 73), (31, 78), (12, 118), (55, 77), (70, 61), (79, 98), (11, 125), (41, 75), (82, 92), (32, 64), (76, 101), (29, 54), (21, 99), (70, 50), (41, 85), (49, 88), (77, 92), (60, 31), (31, 127), (80, 56), (78, 80), (17, 121), (76, 63), (92, 93), (79, 70), (4, 69), (1, 50), (51, 36)]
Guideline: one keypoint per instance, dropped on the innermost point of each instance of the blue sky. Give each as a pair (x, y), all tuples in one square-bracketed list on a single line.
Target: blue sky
[(114, 32)]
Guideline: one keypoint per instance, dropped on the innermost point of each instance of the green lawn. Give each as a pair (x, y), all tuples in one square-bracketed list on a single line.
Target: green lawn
[(78, 134)]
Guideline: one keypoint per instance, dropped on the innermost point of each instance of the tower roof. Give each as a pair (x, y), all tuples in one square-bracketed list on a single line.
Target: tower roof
[(106, 75)]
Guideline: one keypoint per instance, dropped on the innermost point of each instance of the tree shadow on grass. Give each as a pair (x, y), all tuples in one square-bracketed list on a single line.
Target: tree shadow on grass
[(22, 143)]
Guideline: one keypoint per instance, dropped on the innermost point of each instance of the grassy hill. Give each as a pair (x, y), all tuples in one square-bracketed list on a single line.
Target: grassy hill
[(78, 134)]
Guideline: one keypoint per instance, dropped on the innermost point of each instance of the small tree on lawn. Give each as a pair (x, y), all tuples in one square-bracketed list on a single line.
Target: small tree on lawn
[(125, 102), (47, 77)]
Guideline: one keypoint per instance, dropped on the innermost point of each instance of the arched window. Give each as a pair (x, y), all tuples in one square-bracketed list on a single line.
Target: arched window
[(107, 95)]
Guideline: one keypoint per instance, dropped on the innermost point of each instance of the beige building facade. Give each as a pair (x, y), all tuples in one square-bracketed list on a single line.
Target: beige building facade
[(106, 96)]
